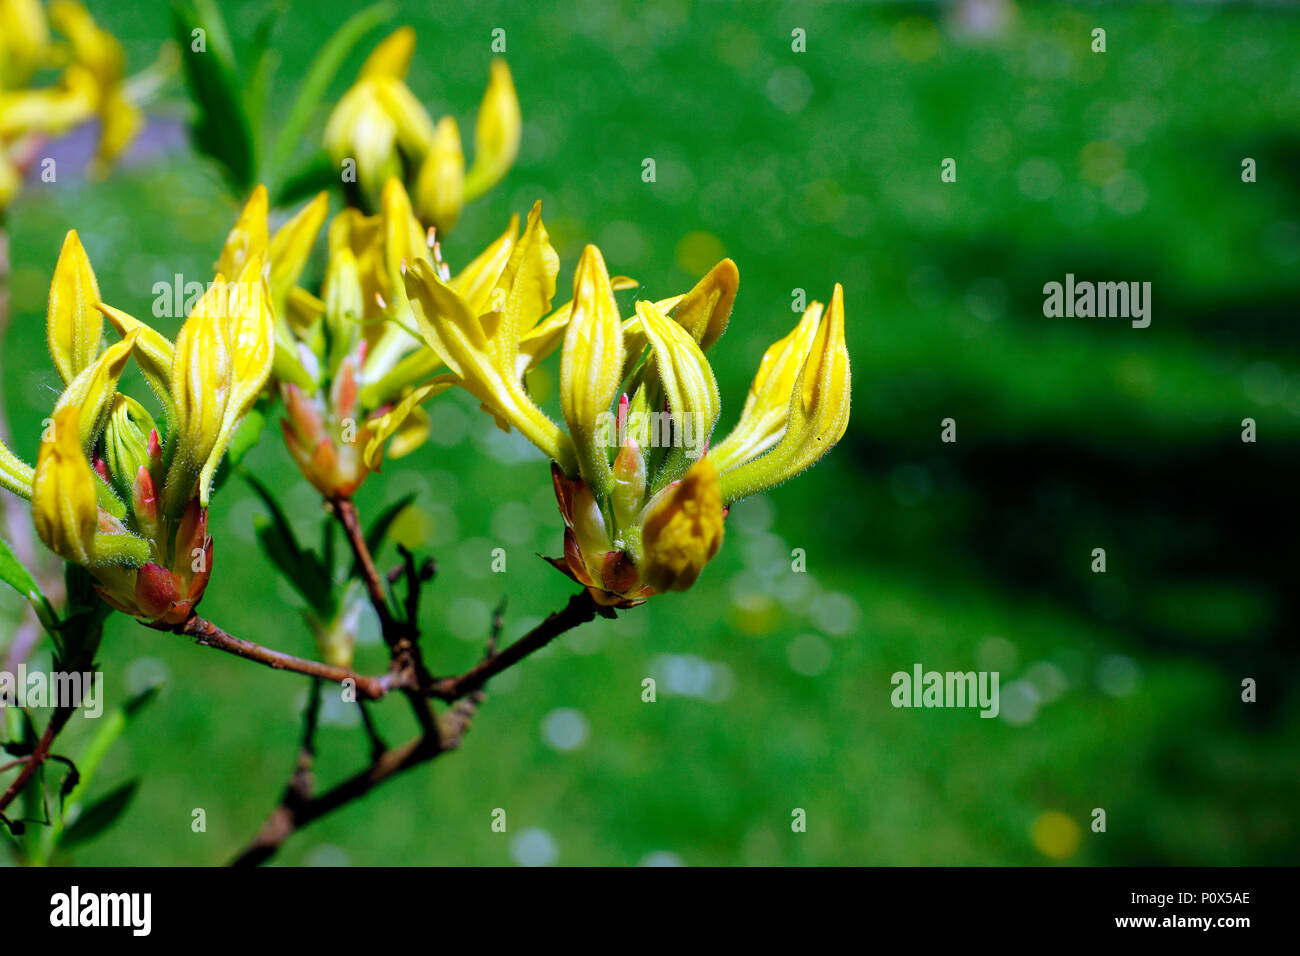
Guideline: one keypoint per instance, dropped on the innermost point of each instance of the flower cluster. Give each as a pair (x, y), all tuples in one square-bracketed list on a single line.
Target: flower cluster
[(90, 83), (642, 495), (115, 491), (381, 127)]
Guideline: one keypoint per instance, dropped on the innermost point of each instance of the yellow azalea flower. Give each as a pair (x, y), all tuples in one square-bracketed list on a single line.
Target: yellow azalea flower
[(24, 41), (496, 134), (221, 361), (381, 128), (75, 325), (804, 377), (64, 504), (683, 531), (642, 497), (99, 53), (91, 83), (106, 492)]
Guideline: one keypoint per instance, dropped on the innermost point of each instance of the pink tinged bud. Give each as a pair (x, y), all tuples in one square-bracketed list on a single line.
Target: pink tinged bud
[(622, 413), (155, 592), (305, 417), (144, 502), (345, 391), (325, 459), (155, 449), (101, 469), (191, 537), (628, 493)]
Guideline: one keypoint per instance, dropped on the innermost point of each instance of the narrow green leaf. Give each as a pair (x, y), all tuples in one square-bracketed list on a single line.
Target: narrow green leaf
[(18, 577), (221, 128), (327, 63), (100, 815), (378, 529), (302, 568), (316, 173)]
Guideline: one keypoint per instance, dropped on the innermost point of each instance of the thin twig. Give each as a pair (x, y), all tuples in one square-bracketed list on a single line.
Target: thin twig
[(209, 635), (580, 609), (401, 636), (466, 691), (38, 756)]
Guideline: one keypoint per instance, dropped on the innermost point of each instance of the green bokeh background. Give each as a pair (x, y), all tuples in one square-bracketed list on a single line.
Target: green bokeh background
[(1120, 691)]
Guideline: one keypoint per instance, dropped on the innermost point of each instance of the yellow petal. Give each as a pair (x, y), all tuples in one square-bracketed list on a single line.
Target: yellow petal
[(395, 420), (73, 325), (689, 383), (497, 133), (767, 407), (591, 368), (153, 352), (392, 57), (682, 530), (201, 382), (291, 247), (93, 389), (477, 281), (527, 284), (412, 125), (64, 507), (457, 335), (705, 310), (818, 411), (247, 238), (252, 343), (24, 39)]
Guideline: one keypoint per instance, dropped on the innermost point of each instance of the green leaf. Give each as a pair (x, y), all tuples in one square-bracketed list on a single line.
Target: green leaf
[(13, 573), (265, 63), (303, 569), (323, 69), (220, 129), (110, 729), (100, 815), (378, 529), (316, 173)]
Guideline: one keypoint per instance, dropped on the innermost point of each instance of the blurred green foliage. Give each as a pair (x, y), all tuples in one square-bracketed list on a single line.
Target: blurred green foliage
[(1119, 691)]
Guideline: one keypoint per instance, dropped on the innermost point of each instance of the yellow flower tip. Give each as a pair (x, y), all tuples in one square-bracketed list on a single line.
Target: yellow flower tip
[(706, 309), (496, 134), (64, 508), (249, 235), (591, 367), (826, 374), (683, 530), (74, 325), (392, 57)]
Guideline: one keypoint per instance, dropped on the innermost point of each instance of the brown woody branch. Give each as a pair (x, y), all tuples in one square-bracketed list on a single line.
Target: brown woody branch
[(298, 808), (209, 635)]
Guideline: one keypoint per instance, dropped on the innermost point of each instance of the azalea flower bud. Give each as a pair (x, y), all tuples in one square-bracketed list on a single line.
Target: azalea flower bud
[(126, 442), (496, 134), (683, 530), (64, 506), (74, 325), (440, 189), (816, 404), (591, 368)]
